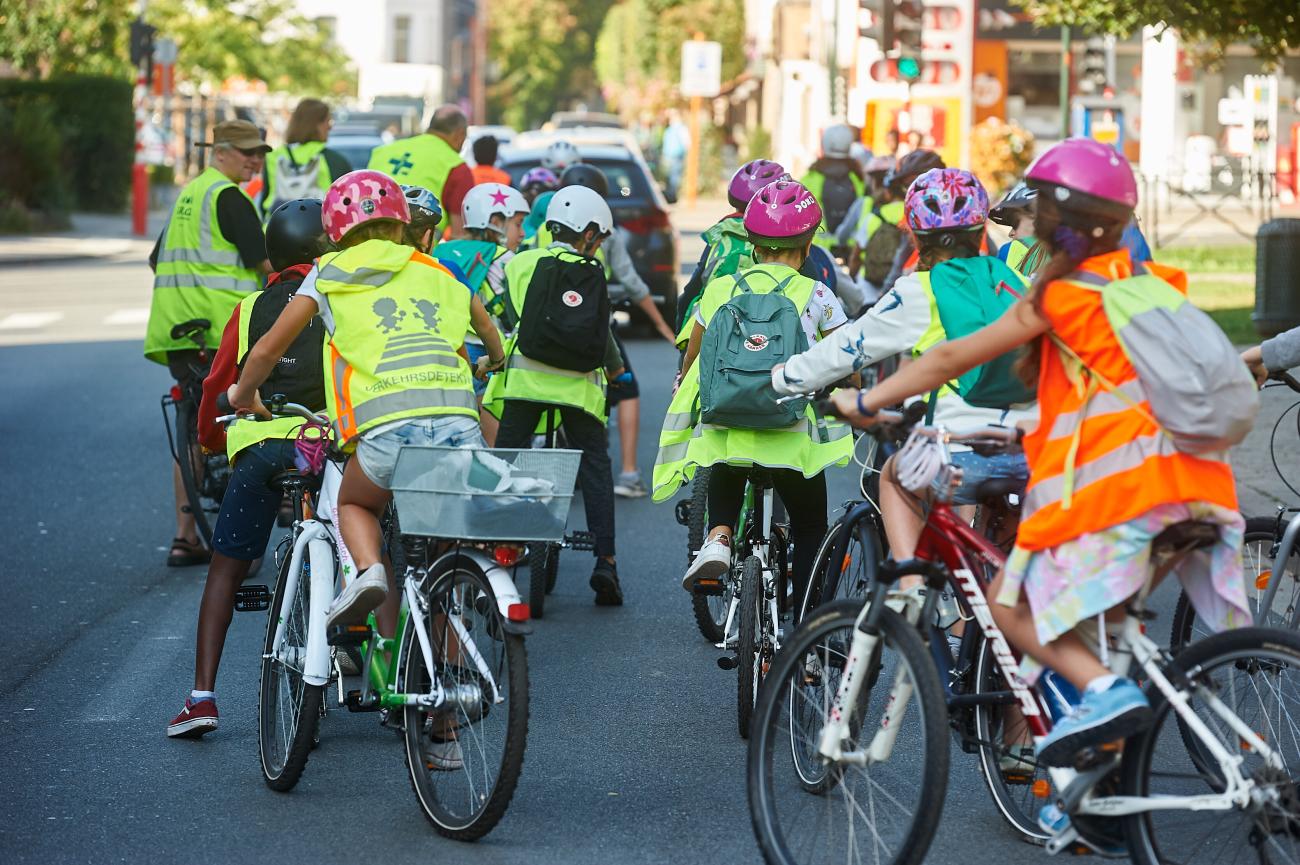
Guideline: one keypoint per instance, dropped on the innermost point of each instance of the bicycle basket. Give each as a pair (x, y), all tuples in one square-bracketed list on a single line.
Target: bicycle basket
[(923, 462), (477, 494)]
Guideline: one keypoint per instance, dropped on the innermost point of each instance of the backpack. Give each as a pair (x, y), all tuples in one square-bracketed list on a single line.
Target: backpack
[(877, 257), (837, 198), (294, 180), (1200, 392), (747, 336), (970, 294), (565, 319), (299, 374), (730, 252)]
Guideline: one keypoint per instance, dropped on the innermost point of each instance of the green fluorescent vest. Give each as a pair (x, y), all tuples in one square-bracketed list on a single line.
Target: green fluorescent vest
[(301, 153), (246, 433), (421, 160), (399, 318), (869, 222), (199, 273)]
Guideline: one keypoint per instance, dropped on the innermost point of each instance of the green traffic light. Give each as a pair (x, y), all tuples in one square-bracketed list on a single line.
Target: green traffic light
[(909, 68)]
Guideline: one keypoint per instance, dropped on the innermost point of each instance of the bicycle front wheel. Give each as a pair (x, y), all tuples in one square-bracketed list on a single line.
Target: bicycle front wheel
[(465, 755), (850, 575), (806, 811), (288, 710), (1255, 674)]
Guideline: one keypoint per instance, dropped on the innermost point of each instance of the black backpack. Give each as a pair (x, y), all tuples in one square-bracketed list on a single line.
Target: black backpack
[(565, 319), (300, 372), (838, 196)]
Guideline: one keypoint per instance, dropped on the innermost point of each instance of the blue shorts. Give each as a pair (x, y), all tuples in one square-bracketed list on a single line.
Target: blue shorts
[(474, 351), (377, 451), (976, 469), (250, 505)]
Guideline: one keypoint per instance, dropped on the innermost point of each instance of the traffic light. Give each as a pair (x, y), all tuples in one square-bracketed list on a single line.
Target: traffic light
[(141, 41), (903, 30), (1092, 79)]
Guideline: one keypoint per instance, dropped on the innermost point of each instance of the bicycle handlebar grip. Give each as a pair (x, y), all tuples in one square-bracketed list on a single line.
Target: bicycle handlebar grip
[(1286, 378)]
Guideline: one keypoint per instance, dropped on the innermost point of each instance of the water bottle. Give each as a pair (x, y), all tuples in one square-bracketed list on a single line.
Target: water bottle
[(1059, 694)]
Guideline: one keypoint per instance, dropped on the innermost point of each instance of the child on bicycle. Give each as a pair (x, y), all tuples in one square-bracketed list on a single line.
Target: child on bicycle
[(1016, 211), (780, 222), (258, 450), (1105, 480), (396, 319)]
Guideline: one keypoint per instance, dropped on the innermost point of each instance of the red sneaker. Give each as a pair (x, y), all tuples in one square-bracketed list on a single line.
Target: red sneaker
[(194, 720)]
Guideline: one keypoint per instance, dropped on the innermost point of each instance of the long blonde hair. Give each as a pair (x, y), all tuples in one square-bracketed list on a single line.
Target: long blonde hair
[(304, 124)]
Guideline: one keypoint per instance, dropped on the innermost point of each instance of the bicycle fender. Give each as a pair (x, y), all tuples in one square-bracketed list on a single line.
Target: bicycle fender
[(503, 587)]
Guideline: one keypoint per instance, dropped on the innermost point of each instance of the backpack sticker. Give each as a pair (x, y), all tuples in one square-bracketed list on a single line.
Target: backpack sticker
[(756, 342), (571, 299)]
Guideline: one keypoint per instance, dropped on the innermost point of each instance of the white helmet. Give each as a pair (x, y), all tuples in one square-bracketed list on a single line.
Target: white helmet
[(836, 141), (560, 155), (576, 207), (486, 200)]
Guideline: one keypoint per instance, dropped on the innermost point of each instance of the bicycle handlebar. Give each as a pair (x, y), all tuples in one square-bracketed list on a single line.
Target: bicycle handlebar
[(1284, 377), (279, 407)]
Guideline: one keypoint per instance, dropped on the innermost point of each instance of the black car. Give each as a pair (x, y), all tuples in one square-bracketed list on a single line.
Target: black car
[(638, 206)]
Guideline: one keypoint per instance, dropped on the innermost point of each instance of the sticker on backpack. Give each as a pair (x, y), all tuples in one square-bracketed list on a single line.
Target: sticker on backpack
[(571, 299), (756, 342)]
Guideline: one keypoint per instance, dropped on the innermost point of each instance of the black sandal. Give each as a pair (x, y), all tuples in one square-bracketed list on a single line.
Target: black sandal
[(185, 554)]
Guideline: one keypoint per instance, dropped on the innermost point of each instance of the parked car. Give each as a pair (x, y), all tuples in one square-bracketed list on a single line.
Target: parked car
[(570, 119), (639, 208), (355, 143), (579, 136), (503, 134)]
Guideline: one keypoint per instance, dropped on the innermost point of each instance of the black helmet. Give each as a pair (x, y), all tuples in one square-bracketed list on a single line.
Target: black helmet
[(582, 174), (1021, 201), (910, 167), (295, 234)]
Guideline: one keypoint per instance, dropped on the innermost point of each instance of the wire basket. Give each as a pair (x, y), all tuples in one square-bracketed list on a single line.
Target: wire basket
[(478, 494)]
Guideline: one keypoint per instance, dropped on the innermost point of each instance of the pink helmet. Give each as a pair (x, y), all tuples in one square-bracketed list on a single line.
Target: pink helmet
[(359, 197), (784, 214), (1085, 176), (946, 199), (750, 178)]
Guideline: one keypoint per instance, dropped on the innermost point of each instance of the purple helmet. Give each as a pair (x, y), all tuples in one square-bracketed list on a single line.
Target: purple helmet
[(945, 199), (752, 177), (784, 214), (539, 176), (1083, 176)]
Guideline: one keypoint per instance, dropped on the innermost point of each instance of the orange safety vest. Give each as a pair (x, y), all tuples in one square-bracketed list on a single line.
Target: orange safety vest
[(489, 174), (1097, 458)]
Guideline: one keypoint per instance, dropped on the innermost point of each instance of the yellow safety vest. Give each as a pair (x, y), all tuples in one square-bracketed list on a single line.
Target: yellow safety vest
[(399, 318), (301, 153), (246, 433), (868, 221), (1021, 261), (815, 182), (421, 160), (526, 379), (199, 273), (808, 447)]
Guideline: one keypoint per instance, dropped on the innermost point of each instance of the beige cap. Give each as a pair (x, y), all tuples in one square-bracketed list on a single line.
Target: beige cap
[(237, 133)]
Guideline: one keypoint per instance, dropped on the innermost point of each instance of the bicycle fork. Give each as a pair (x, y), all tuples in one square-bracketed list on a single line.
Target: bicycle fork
[(313, 541)]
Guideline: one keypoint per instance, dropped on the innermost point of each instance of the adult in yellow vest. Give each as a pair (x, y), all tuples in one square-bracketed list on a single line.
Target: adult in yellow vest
[(302, 167), (396, 319), (210, 254), (432, 160), (835, 180)]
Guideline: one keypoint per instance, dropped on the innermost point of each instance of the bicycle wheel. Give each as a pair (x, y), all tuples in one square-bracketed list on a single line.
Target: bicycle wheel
[(1010, 773), (1257, 561), (187, 444), (465, 756), (288, 710), (543, 566), (1255, 673), (749, 649), (805, 811), (852, 574), (710, 610)]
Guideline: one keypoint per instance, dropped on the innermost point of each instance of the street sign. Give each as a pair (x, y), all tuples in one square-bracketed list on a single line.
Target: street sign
[(701, 68), (165, 51)]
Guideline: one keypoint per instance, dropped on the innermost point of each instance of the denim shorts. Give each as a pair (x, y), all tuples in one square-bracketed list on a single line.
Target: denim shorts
[(474, 351), (377, 451), (250, 505), (976, 469)]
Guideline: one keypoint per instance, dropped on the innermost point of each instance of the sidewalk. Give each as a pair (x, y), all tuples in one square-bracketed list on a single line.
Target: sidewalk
[(93, 235)]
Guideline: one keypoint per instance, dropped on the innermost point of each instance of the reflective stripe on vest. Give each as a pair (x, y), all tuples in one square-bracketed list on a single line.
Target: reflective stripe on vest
[(1124, 458)]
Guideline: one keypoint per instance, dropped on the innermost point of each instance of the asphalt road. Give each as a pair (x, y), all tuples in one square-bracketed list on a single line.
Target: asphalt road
[(632, 753)]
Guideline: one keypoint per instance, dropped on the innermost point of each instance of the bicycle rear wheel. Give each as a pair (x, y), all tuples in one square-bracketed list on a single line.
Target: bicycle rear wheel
[(465, 756), (191, 462), (289, 709), (749, 654), (850, 575), (543, 567), (807, 812), (1255, 672)]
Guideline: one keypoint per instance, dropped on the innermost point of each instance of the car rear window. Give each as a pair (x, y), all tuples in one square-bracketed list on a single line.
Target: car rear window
[(627, 180)]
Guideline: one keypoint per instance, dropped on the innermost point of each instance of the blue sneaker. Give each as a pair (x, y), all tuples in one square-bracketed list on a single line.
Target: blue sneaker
[(1053, 820), (1116, 713)]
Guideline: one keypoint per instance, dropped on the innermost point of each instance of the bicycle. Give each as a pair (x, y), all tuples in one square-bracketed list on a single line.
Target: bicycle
[(833, 662), (204, 476), (544, 556)]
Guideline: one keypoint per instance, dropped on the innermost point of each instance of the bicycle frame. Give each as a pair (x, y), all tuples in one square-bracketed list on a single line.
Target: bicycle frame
[(1284, 549), (760, 548)]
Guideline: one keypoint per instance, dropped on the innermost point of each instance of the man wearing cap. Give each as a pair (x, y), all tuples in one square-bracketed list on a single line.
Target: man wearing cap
[(432, 160), (210, 254)]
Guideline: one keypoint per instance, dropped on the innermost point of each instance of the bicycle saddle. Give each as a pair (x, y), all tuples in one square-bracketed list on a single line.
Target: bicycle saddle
[(1187, 535), (994, 491), (292, 483), (187, 329)]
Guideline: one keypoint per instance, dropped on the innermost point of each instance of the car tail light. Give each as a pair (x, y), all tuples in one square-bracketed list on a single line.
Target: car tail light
[(506, 556), (517, 612), (653, 220)]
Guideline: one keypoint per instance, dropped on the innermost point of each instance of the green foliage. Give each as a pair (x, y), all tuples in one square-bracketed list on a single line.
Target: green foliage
[(1231, 258), (1271, 27), (758, 144), (60, 37)]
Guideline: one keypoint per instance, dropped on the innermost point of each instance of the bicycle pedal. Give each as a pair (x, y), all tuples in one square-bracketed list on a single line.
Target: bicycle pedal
[(583, 541), (682, 512), (354, 702), (712, 588), (251, 599), (348, 635), (728, 662)]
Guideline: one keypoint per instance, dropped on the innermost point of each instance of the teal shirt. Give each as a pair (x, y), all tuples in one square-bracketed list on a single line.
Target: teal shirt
[(536, 218)]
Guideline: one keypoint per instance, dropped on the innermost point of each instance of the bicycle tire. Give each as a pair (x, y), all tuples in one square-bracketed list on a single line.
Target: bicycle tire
[(543, 566), (769, 743), (710, 610), (1261, 534), (826, 585), (496, 646), (282, 773), (1251, 652), (749, 675), (989, 724), (187, 443)]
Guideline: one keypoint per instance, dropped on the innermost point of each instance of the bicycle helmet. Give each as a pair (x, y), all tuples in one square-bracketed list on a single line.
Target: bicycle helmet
[(359, 197), (783, 215), (920, 461), (752, 177), (487, 200), (578, 208), (910, 167), (881, 165), (1020, 202), (837, 141), (581, 174), (1085, 178), (425, 208), (560, 155), (542, 178), (295, 234), (945, 199)]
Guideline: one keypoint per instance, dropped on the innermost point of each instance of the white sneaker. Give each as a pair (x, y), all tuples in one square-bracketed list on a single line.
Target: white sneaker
[(360, 596), (629, 486), (444, 756), (711, 562)]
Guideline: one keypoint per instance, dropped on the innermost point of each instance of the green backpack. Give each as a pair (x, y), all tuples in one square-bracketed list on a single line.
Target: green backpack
[(970, 294), (730, 251), (747, 336)]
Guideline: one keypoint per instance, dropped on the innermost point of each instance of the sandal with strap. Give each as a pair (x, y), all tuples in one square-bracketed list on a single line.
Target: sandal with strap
[(185, 553)]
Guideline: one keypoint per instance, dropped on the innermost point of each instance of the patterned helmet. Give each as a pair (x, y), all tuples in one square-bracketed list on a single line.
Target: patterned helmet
[(1019, 202), (944, 199), (539, 176), (359, 197), (425, 207), (559, 155)]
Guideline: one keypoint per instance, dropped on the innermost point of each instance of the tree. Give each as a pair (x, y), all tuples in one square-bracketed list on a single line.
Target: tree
[(40, 38), (1271, 27)]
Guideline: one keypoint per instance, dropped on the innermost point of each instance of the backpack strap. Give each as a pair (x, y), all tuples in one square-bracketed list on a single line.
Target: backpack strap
[(1087, 277)]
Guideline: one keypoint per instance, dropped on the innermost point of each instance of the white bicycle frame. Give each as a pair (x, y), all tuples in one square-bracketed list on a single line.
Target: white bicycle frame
[(762, 552)]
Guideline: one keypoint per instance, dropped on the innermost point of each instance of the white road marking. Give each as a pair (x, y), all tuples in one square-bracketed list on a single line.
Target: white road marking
[(129, 316), (29, 320)]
